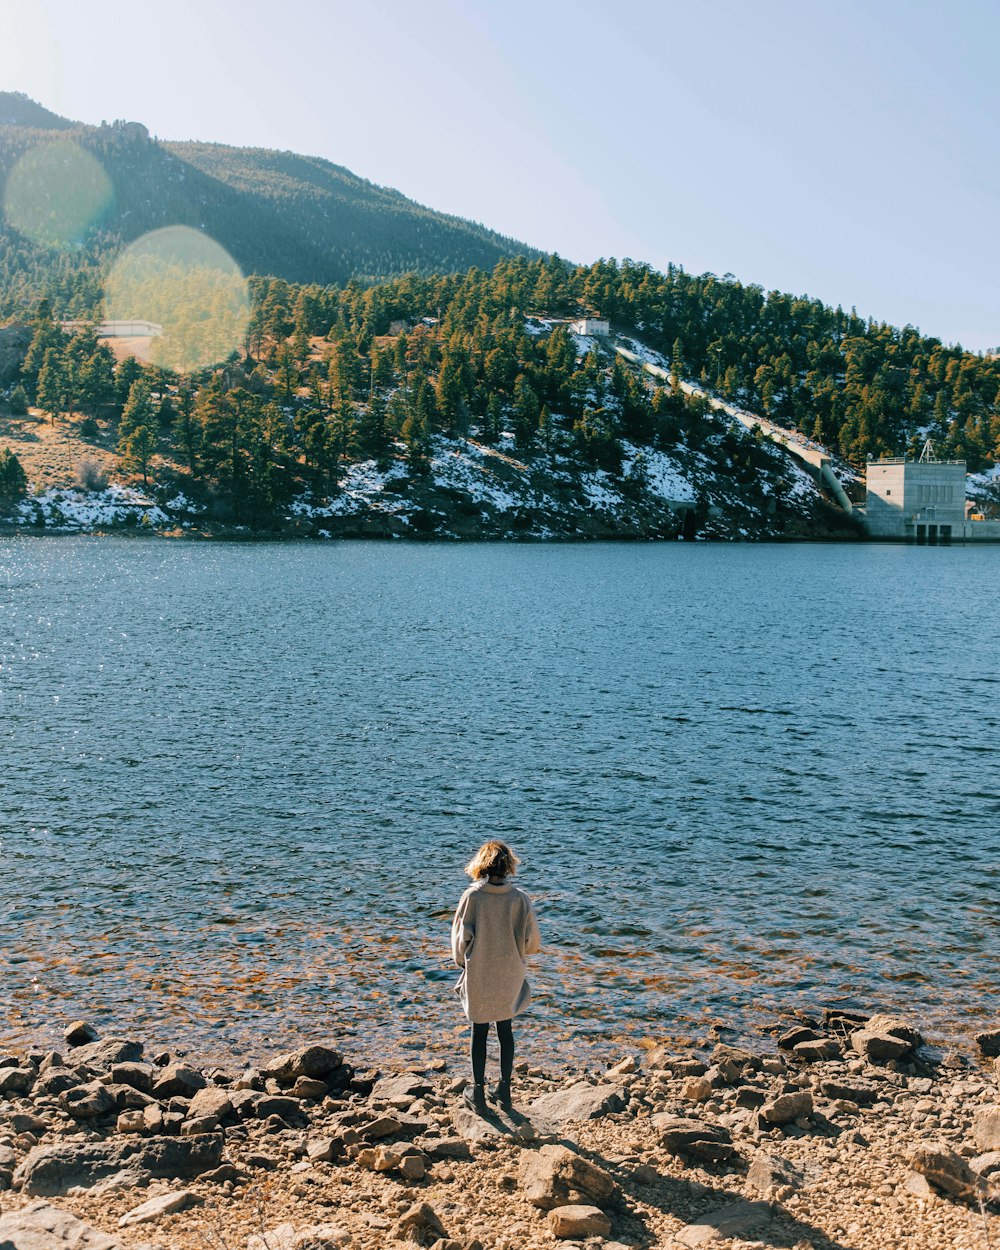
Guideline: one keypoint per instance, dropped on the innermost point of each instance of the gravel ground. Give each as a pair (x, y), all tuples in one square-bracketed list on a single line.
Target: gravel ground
[(838, 1176)]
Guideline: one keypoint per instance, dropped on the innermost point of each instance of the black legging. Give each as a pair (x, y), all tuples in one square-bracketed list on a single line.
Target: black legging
[(505, 1033)]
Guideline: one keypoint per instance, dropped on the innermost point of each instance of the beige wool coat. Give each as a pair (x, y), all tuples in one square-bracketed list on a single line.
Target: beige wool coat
[(494, 929)]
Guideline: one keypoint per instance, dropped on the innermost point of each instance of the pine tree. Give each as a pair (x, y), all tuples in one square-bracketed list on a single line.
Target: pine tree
[(546, 432), (137, 430), (96, 387), (527, 410), (128, 371), (137, 450), (55, 383), (13, 480), (417, 426), (187, 427), (47, 336), (138, 408)]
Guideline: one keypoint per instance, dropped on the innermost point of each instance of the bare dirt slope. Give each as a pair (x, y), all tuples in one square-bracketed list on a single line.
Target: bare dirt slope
[(50, 452)]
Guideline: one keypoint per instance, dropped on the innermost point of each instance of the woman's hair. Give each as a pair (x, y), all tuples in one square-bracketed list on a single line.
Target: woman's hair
[(493, 859)]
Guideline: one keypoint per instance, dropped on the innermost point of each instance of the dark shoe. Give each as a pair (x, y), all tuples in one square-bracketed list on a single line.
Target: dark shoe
[(500, 1094), (474, 1098)]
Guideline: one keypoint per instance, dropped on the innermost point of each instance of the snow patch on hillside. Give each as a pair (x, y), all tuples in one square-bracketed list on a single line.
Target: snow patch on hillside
[(665, 476), (80, 510), (467, 466)]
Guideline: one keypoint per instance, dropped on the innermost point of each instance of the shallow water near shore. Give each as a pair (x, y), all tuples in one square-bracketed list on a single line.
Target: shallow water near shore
[(239, 784)]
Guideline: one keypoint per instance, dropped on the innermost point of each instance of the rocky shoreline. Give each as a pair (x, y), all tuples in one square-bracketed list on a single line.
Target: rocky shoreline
[(848, 1134)]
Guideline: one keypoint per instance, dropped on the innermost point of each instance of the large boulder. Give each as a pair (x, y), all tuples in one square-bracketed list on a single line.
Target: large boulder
[(579, 1221), (211, 1101), (894, 1027), (40, 1226), (288, 1237), (944, 1169), (419, 1223), (696, 1139), (101, 1166), (732, 1220), (986, 1164), (163, 1204), (178, 1080), (864, 1093), (16, 1081), (312, 1061), (819, 1051), (784, 1108), (575, 1103), (879, 1047), (86, 1102), (80, 1033), (412, 1085), (989, 1043), (768, 1173), (736, 1055), (885, 1037), (986, 1129), (55, 1081), (556, 1176), (105, 1054)]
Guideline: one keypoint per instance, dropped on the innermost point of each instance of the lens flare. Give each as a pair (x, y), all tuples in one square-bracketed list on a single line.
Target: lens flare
[(56, 192), (184, 281)]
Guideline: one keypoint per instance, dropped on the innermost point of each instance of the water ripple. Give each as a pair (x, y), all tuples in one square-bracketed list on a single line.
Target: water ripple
[(240, 782)]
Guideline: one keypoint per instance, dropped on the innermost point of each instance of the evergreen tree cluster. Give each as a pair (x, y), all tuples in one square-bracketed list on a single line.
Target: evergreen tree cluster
[(329, 375), (332, 374), (859, 387)]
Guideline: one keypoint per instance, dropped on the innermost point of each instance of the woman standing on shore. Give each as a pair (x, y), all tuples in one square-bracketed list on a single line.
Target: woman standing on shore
[(493, 930)]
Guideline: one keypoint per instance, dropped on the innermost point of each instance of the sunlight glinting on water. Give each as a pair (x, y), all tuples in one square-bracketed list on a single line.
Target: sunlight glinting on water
[(245, 819)]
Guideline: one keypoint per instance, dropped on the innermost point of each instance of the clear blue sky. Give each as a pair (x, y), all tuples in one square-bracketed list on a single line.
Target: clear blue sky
[(848, 149)]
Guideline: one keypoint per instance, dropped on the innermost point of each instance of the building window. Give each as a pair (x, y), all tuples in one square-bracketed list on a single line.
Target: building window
[(888, 492)]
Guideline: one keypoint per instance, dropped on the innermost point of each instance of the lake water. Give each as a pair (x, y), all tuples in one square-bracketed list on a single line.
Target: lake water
[(239, 784)]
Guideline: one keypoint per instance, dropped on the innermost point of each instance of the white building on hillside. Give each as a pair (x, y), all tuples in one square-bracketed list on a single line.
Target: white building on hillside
[(591, 326), (116, 329)]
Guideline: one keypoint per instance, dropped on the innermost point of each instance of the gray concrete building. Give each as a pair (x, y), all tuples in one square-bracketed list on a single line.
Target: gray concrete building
[(922, 501)]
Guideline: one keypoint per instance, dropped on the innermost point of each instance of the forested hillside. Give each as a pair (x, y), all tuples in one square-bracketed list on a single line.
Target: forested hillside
[(858, 386), (298, 217)]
